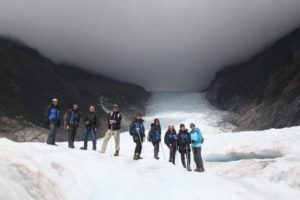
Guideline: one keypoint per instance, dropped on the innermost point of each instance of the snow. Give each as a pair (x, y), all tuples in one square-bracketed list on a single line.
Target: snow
[(244, 165)]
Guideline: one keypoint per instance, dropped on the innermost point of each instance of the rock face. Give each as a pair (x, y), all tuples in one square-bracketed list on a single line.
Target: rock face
[(263, 92), (29, 80)]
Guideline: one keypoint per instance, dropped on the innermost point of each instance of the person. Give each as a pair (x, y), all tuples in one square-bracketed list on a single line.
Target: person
[(184, 141), (171, 141), (137, 131), (71, 122), (155, 137), (91, 121), (114, 125), (53, 120), (197, 140)]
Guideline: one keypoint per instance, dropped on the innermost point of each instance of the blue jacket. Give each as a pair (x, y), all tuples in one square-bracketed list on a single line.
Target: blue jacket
[(137, 128), (196, 137)]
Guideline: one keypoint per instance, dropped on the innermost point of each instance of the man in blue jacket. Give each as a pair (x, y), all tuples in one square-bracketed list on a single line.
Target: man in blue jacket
[(197, 140)]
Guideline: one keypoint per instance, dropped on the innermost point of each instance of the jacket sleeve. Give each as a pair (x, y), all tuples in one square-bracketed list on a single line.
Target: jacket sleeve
[(119, 119), (166, 139), (189, 138), (131, 129), (97, 121)]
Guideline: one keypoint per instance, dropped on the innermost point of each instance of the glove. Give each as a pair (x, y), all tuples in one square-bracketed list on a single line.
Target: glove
[(193, 141)]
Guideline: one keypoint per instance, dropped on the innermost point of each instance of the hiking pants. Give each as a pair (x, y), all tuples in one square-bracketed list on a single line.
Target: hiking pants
[(172, 154), (72, 131), (90, 131), (198, 157), (183, 153), (108, 134), (52, 133), (138, 146), (156, 149)]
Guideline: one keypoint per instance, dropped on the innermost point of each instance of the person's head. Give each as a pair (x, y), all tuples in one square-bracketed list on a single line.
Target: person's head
[(75, 107), (115, 108), (54, 102), (171, 127), (192, 126), (138, 115), (157, 122), (92, 109), (182, 127)]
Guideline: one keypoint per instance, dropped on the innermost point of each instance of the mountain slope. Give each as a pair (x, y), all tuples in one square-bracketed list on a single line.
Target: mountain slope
[(263, 92), (29, 80)]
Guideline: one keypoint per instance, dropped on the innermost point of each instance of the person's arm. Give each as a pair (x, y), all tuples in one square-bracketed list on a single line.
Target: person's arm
[(166, 139)]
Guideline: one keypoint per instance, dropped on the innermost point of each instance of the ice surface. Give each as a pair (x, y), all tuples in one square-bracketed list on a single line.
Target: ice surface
[(268, 164)]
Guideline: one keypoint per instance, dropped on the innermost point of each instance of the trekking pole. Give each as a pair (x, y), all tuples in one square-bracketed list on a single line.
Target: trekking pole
[(187, 157), (163, 151), (140, 140), (111, 130)]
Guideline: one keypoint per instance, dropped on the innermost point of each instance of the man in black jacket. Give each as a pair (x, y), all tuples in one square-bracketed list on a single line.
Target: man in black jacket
[(114, 125)]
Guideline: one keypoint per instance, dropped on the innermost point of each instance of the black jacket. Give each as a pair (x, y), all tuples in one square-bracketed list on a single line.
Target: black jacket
[(72, 117), (91, 120), (155, 133), (171, 138), (184, 140), (114, 116)]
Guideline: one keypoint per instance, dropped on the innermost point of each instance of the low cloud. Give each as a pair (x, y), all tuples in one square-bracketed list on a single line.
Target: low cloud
[(159, 44)]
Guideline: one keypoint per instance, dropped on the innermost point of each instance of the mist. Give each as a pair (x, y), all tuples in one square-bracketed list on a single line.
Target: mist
[(159, 44)]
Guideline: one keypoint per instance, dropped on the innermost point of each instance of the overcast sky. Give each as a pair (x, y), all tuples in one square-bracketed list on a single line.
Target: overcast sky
[(159, 44)]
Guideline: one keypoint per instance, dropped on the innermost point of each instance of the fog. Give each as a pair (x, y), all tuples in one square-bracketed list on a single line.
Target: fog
[(158, 44)]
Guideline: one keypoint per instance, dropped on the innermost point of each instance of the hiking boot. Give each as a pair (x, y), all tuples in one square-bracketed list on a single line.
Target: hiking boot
[(135, 156), (83, 148), (117, 153), (71, 147), (156, 157), (139, 157), (94, 149), (201, 170), (189, 169)]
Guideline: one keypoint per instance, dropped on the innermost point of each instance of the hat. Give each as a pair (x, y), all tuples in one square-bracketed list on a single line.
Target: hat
[(182, 125), (54, 100), (115, 106)]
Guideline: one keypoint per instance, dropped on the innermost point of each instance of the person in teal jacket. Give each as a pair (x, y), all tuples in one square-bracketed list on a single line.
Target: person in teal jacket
[(197, 140)]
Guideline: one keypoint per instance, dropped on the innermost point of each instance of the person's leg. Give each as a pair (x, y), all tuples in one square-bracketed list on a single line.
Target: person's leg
[(106, 140), (117, 140), (174, 155), (188, 158), (200, 160), (183, 159), (51, 132), (74, 132), (53, 138), (86, 137), (69, 131), (156, 149), (171, 154), (195, 154), (94, 138)]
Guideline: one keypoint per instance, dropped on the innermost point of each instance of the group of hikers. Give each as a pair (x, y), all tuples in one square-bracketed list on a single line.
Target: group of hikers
[(183, 141)]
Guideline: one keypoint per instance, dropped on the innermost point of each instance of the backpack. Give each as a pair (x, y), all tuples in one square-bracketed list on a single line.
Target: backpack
[(150, 136)]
